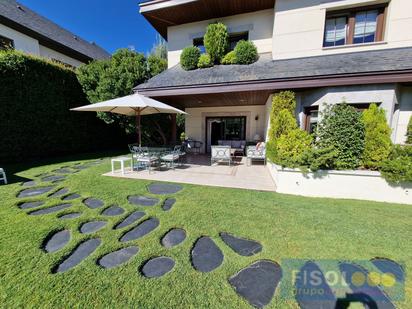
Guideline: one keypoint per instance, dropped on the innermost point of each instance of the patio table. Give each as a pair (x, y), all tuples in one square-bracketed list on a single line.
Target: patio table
[(156, 152), (122, 160)]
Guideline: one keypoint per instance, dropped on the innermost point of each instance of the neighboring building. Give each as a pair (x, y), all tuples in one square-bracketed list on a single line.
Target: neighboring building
[(25, 30), (357, 51)]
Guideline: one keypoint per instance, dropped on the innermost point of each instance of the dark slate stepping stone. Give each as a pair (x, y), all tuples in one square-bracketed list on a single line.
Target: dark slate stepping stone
[(241, 246), (71, 197), (168, 204), (64, 170), (158, 267), (313, 301), (164, 188), (389, 266), (92, 227), (53, 178), (142, 200), (71, 215), (34, 191), (206, 256), (257, 283), (60, 192), (57, 241), (371, 296), (113, 211), (130, 219), (50, 210), (141, 230), (78, 255), (173, 238), (93, 203), (80, 167), (29, 205), (30, 183), (118, 257)]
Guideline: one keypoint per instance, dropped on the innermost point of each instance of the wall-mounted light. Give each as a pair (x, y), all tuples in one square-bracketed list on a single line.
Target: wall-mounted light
[(257, 117)]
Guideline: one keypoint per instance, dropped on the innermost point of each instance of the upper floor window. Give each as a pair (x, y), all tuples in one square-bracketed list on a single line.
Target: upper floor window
[(365, 25), (198, 42), (234, 38), (6, 43)]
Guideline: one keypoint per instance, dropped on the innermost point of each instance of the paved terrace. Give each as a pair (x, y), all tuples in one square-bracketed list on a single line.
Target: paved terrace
[(197, 170)]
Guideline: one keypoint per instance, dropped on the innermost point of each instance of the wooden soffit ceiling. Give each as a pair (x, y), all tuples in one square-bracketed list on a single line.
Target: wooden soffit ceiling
[(165, 13), (217, 99)]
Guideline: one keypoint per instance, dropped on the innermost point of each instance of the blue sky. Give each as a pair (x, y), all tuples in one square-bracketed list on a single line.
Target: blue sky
[(112, 24)]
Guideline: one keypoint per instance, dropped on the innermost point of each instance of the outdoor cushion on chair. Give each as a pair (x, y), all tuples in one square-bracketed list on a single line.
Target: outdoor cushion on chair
[(256, 153), (221, 153)]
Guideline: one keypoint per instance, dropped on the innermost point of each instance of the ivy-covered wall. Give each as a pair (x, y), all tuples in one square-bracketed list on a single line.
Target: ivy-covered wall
[(35, 121)]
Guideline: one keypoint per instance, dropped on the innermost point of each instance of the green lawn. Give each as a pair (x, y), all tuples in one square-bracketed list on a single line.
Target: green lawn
[(287, 227)]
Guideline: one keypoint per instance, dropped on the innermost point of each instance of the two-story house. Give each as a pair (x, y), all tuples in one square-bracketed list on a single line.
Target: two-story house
[(327, 51), (27, 31)]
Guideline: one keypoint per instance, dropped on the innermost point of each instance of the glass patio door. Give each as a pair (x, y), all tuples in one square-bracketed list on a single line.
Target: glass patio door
[(224, 128)]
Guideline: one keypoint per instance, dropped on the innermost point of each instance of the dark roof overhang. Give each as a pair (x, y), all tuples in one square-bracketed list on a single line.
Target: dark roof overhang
[(385, 77), (165, 13)]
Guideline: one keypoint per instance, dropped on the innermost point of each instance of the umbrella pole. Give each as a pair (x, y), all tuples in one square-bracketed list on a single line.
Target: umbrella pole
[(138, 128)]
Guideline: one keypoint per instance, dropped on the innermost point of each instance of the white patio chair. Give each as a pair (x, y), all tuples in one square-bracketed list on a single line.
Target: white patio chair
[(221, 154), (172, 157), (3, 176), (253, 153), (142, 157)]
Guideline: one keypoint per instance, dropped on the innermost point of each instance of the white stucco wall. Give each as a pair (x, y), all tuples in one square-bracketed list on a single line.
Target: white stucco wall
[(29, 45), (299, 27), (402, 114), (22, 42), (52, 54), (363, 185), (385, 95), (195, 126), (259, 24)]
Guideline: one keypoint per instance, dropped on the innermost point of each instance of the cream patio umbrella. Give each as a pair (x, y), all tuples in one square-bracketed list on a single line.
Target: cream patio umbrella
[(132, 105)]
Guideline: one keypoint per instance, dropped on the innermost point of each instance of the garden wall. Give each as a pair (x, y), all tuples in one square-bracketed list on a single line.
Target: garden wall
[(363, 185), (35, 121)]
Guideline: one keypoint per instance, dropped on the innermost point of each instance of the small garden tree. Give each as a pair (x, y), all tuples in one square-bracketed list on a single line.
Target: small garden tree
[(377, 137), (341, 131), (287, 143), (409, 132), (216, 41), (108, 79), (245, 52), (190, 58)]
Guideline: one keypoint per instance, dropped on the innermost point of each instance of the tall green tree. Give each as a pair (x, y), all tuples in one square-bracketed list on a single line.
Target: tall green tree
[(288, 144), (378, 142), (108, 79), (342, 132), (409, 132)]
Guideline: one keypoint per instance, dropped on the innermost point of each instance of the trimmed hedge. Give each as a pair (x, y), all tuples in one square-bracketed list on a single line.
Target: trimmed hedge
[(246, 52), (409, 132), (216, 41), (35, 120), (205, 61), (190, 58), (230, 58)]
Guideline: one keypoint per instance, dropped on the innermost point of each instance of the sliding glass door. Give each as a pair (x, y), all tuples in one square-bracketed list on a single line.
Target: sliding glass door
[(224, 128)]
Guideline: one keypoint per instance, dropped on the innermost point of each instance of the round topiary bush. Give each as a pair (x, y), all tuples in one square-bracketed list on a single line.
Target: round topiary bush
[(230, 58), (246, 52), (205, 61), (189, 58), (216, 41)]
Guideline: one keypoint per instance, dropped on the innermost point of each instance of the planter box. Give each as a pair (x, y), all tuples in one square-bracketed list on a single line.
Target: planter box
[(363, 185)]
